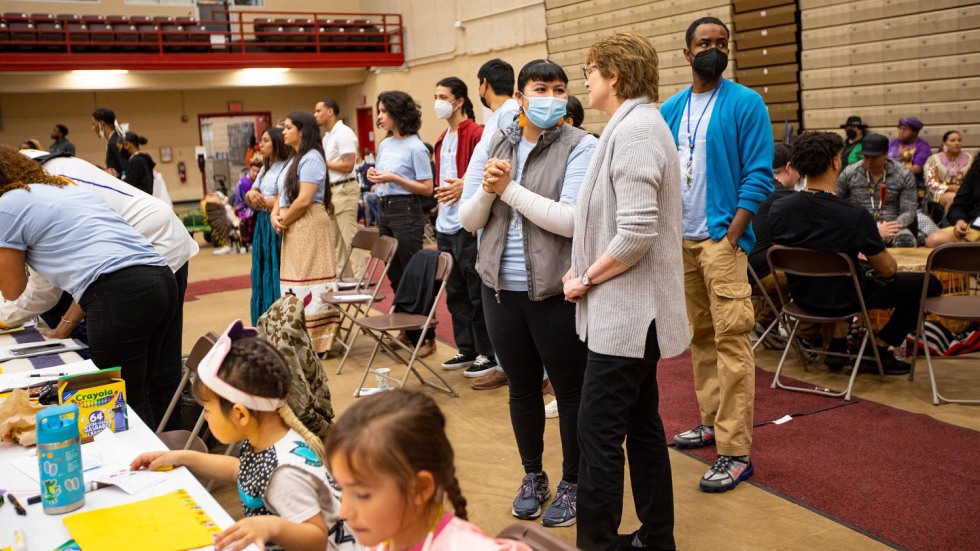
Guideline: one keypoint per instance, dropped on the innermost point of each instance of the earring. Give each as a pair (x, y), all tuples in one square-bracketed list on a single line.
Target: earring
[(614, 92), (522, 119)]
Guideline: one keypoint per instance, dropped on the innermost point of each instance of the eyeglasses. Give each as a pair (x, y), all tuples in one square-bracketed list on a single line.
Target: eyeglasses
[(587, 70)]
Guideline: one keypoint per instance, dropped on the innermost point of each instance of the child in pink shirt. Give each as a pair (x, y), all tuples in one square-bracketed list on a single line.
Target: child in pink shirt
[(394, 464)]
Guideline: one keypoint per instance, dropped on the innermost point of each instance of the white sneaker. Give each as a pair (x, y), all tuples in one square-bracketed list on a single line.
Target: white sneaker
[(551, 409), (223, 250)]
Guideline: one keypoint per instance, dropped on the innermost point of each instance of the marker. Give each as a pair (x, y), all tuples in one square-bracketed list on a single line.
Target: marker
[(17, 506), (47, 374)]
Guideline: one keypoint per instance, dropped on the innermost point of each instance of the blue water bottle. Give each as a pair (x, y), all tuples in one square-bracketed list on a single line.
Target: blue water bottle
[(59, 457)]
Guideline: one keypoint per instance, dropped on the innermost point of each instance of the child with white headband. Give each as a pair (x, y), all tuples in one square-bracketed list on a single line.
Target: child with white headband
[(289, 499)]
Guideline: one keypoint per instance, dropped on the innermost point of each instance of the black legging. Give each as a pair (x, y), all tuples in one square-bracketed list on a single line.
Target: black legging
[(530, 336), (128, 313)]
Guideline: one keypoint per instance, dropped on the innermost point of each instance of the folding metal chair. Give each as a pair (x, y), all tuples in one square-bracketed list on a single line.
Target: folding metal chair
[(357, 302), (535, 536), (383, 329), (818, 264), (958, 258), (190, 438), (363, 241), (759, 290)]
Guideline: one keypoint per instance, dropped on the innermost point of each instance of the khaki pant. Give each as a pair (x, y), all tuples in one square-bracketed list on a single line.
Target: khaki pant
[(719, 309), (345, 198)]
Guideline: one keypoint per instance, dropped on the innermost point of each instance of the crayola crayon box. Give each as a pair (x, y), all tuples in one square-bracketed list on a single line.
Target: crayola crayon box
[(101, 400)]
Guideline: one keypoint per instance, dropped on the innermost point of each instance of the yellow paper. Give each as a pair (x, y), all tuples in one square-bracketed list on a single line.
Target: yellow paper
[(171, 522)]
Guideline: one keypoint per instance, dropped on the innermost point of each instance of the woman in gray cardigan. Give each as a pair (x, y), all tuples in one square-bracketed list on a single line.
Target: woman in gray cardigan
[(627, 281)]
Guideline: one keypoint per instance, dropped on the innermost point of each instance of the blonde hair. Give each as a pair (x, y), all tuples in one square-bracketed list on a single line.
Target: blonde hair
[(633, 59)]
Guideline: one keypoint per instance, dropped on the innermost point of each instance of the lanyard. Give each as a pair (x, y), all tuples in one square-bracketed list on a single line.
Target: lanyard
[(691, 137), (876, 210)]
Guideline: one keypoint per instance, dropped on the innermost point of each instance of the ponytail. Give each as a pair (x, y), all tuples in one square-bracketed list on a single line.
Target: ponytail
[(293, 422), (468, 108)]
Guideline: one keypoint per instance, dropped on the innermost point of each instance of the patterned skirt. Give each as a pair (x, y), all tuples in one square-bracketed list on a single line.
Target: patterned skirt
[(307, 269), (266, 247)]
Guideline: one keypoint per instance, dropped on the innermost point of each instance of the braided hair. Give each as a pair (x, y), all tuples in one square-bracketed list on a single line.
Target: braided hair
[(254, 365), (398, 433), (17, 171)]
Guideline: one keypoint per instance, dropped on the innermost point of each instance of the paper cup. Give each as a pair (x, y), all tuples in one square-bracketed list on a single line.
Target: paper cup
[(381, 375)]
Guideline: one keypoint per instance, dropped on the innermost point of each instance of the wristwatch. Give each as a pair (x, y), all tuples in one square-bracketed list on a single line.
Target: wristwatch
[(586, 280)]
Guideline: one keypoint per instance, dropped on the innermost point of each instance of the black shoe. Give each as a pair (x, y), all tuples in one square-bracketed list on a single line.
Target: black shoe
[(836, 363), (889, 364), (625, 541)]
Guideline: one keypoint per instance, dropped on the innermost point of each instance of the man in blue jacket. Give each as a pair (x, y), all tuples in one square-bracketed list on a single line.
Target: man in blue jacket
[(725, 150)]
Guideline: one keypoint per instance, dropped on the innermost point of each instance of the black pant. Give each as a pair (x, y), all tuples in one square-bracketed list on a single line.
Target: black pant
[(530, 336), (620, 400), (464, 295), (128, 312), (401, 218), (169, 365), (903, 293)]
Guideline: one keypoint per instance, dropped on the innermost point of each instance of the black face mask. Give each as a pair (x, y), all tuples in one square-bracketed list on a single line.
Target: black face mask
[(710, 64), (851, 133), (483, 100)]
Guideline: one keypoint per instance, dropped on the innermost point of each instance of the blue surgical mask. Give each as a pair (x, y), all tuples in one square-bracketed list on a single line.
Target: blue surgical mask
[(545, 112)]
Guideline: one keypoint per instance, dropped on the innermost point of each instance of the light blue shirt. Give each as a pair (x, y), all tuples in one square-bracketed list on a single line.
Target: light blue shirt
[(513, 268), (406, 157), (312, 169), (70, 236), (695, 193), (474, 171), (269, 179), (448, 220)]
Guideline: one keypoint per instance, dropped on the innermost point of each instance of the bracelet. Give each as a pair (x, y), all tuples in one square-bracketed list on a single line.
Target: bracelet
[(71, 321)]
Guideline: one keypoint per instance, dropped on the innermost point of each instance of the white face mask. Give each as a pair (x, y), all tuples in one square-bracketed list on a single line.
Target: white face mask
[(444, 109)]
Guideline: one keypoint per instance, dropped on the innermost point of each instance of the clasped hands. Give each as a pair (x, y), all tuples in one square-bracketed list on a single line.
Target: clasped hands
[(496, 176)]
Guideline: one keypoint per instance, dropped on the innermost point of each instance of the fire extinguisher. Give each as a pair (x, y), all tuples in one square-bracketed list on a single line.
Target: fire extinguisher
[(182, 172)]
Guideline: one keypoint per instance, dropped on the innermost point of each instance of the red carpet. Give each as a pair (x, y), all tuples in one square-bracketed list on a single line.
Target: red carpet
[(208, 286), (903, 478)]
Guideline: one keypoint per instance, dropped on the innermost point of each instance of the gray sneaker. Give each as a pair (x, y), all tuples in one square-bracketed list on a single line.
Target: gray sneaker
[(563, 509), (534, 491), (726, 473), (698, 437)]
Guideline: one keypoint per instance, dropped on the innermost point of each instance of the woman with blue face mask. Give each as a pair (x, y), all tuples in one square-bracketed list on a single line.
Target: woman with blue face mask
[(525, 206)]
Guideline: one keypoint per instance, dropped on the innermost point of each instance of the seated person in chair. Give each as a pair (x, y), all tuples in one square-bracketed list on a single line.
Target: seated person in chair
[(964, 213), (818, 219), (886, 189)]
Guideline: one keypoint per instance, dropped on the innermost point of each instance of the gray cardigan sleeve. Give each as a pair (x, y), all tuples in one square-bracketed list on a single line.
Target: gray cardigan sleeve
[(636, 175)]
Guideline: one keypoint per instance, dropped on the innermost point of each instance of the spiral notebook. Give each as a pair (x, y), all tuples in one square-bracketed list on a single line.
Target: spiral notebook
[(171, 522)]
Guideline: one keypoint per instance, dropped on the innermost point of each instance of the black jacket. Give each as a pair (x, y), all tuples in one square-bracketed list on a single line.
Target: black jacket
[(139, 172), (966, 204)]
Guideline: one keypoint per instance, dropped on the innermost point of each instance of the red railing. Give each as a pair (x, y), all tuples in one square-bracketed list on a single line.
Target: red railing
[(236, 39)]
